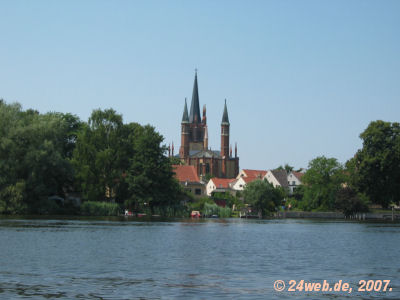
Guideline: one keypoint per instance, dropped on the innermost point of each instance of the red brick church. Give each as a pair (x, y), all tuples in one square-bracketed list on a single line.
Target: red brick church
[(194, 148)]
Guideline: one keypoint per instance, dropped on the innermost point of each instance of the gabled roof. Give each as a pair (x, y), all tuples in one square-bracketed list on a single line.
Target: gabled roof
[(222, 183), (195, 105), (255, 173), (281, 177), (298, 174), (251, 179), (185, 173)]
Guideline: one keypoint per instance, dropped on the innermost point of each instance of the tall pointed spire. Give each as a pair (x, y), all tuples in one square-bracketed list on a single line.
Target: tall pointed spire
[(185, 117), (205, 145), (194, 116), (225, 119)]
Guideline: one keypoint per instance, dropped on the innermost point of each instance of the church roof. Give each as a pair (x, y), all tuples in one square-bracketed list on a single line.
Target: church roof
[(195, 105), (185, 117), (206, 153), (225, 119)]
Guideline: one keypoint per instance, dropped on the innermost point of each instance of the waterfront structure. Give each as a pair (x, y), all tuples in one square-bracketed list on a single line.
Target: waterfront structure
[(188, 178), (195, 151)]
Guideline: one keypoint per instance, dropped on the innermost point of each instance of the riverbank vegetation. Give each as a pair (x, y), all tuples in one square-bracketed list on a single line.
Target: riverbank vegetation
[(49, 160), (54, 162), (372, 176)]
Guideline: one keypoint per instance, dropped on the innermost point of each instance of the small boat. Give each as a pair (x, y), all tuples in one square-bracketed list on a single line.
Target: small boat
[(195, 214)]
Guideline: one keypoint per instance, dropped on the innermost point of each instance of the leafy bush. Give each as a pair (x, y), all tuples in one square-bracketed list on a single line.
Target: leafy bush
[(94, 208), (213, 209)]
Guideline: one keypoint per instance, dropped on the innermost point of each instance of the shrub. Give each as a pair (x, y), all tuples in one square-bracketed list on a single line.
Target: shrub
[(95, 208)]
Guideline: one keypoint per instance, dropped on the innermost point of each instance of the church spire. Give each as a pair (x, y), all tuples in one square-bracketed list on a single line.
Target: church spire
[(194, 116), (225, 119), (185, 117)]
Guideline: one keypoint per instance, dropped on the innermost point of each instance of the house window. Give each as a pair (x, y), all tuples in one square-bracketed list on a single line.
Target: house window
[(293, 182), (197, 191)]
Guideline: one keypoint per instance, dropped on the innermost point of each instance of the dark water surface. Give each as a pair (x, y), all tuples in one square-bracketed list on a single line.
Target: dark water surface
[(206, 259)]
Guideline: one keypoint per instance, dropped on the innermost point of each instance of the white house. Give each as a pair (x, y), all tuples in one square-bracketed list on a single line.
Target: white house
[(251, 173), (277, 178), (218, 185), (294, 180), (240, 183)]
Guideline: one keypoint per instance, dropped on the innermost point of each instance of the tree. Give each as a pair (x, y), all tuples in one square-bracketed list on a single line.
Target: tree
[(150, 176), (350, 202), (175, 160), (322, 180), (101, 156), (286, 167), (262, 196), (33, 159), (375, 169)]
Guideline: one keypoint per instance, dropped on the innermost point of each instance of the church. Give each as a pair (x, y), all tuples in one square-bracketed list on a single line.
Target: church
[(194, 149)]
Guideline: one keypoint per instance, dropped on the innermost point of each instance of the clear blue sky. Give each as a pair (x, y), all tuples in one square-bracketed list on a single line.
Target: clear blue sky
[(302, 78)]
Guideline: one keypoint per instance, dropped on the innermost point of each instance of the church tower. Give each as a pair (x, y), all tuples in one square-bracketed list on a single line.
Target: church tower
[(184, 150), (195, 150), (225, 140), (225, 133)]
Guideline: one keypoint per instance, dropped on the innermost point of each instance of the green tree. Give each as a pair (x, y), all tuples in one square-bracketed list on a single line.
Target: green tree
[(262, 196), (33, 160), (322, 180), (175, 160), (375, 169), (150, 176), (350, 202), (286, 167), (101, 155)]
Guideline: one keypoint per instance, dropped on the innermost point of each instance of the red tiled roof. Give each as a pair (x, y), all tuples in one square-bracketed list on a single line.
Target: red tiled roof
[(255, 173), (185, 173), (298, 175), (250, 179), (222, 182)]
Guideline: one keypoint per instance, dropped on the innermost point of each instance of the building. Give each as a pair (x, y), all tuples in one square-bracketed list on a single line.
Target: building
[(219, 185), (188, 178), (252, 173), (277, 178), (294, 180), (246, 176), (194, 150)]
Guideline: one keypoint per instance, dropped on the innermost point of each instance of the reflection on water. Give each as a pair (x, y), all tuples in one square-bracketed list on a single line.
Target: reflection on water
[(116, 258)]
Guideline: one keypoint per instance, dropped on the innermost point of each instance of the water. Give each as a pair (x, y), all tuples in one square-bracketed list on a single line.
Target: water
[(206, 259)]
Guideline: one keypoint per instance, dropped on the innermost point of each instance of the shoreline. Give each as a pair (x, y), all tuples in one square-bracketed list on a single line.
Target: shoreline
[(385, 217)]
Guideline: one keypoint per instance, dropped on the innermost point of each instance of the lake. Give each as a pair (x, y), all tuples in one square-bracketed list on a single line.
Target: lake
[(115, 258)]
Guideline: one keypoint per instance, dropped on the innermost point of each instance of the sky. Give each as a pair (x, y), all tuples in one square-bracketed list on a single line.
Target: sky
[(301, 78)]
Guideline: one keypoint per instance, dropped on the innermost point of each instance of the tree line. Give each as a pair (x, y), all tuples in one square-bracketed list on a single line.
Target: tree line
[(50, 156), (371, 176), (104, 159)]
